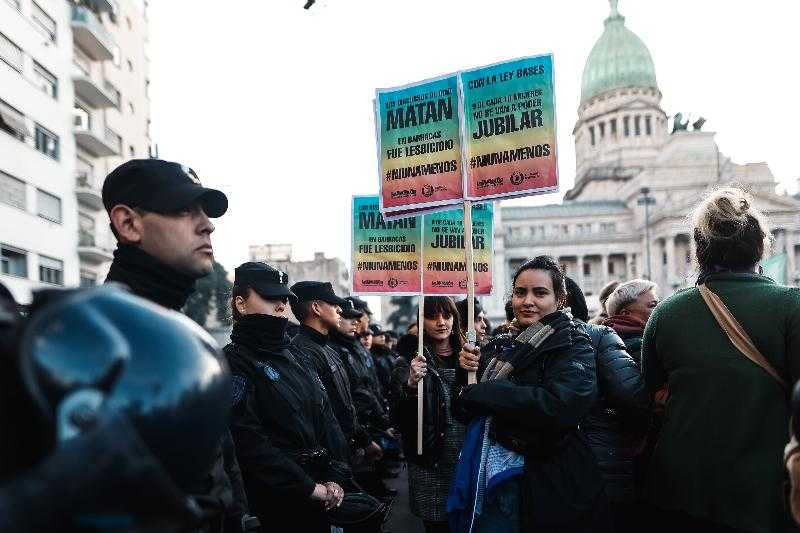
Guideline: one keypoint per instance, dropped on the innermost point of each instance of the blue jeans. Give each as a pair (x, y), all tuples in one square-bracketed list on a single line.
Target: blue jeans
[(501, 509)]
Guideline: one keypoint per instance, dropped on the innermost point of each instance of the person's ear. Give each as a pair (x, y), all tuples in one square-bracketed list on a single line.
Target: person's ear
[(241, 305), (127, 223), (316, 308)]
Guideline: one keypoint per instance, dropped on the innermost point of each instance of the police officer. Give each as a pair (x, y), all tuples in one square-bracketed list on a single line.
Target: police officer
[(369, 407), (160, 214), (319, 311), (382, 356), (278, 424)]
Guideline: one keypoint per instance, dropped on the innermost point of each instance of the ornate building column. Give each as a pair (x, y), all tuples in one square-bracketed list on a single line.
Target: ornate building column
[(579, 273), (791, 264), (604, 268), (669, 270)]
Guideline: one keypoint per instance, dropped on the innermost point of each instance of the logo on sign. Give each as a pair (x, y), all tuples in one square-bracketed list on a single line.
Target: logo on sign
[(393, 282), (373, 282), (462, 284), (490, 182), (517, 178), (405, 193), (428, 190), (442, 283)]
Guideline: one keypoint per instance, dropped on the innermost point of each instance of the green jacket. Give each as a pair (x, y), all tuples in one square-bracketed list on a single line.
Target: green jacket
[(719, 454)]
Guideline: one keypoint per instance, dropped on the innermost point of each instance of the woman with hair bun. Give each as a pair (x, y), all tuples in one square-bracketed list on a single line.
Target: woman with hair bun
[(717, 462)]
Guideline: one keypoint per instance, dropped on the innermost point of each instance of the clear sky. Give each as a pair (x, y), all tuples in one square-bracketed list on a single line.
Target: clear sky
[(272, 103)]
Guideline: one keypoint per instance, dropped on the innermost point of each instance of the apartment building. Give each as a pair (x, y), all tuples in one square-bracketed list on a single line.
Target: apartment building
[(74, 104)]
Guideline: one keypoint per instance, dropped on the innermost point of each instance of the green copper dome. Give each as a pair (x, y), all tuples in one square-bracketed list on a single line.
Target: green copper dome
[(618, 59)]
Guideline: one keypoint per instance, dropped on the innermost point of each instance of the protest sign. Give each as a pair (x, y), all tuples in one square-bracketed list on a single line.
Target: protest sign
[(419, 147), (443, 253), (385, 253), (509, 129)]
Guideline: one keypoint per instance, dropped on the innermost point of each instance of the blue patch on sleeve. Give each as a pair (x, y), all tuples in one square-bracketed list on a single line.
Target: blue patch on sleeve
[(239, 388), (271, 373)]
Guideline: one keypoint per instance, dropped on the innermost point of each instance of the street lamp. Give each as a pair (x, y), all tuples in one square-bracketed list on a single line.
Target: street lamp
[(646, 200)]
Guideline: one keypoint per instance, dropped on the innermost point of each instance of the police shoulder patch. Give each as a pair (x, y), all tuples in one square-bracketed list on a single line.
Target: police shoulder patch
[(239, 389), (271, 373)]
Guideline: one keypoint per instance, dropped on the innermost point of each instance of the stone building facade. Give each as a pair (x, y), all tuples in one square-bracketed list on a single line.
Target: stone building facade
[(628, 149)]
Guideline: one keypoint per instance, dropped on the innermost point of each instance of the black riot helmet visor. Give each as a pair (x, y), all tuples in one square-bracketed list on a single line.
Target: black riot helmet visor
[(86, 351)]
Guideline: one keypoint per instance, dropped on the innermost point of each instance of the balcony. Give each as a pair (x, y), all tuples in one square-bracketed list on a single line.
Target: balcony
[(90, 35), (91, 251), (91, 141), (90, 91), (87, 190)]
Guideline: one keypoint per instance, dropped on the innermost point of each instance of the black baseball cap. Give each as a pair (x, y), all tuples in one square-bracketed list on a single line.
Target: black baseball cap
[(316, 290), (376, 329), (267, 281), (350, 312), (161, 187), (360, 304)]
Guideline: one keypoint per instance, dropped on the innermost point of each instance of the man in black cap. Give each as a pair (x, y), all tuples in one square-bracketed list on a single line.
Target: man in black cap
[(384, 360), (160, 214), (279, 421), (319, 311)]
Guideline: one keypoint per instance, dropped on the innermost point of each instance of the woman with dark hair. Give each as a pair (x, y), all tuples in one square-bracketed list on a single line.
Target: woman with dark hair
[(430, 474), (717, 463), (525, 466)]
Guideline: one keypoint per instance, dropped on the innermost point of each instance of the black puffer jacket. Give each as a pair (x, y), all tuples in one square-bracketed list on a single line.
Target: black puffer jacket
[(436, 412), (536, 412), (619, 414)]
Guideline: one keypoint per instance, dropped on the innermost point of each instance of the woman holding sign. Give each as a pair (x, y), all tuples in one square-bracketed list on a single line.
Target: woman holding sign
[(524, 465), (430, 474)]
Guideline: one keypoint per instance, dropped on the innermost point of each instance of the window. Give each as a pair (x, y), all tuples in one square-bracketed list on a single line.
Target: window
[(602, 126), (613, 123), (88, 279), (51, 270), (114, 139), (10, 53), (47, 142), (13, 261), (626, 126), (44, 22), (45, 80), (48, 206), (611, 267), (82, 117), (116, 96), (587, 269), (648, 128), (12, 191), (564, 229), (591, 134), (13, 122), (637, 121)]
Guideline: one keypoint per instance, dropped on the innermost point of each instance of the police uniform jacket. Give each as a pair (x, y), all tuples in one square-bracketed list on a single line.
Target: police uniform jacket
[(363, 385), (311, 347)]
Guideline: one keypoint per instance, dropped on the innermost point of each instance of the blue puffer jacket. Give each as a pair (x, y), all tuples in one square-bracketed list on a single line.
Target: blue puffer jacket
[(620, 413)]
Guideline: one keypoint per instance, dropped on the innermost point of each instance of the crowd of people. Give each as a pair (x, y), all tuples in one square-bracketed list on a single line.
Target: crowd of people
[(650, 416)]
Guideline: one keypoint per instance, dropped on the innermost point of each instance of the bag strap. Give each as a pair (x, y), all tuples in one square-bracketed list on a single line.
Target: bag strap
[(736, 333)]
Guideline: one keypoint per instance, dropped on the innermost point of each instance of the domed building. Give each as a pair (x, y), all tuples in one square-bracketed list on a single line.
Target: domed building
[(635, 183)]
